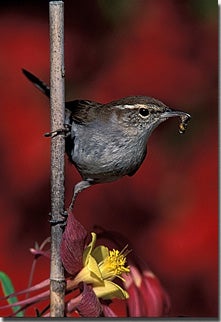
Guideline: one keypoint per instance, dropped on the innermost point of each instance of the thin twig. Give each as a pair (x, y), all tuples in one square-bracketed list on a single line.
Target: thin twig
[(57, 98)]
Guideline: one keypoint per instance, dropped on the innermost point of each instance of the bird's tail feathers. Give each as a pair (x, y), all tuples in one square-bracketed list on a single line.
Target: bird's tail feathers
[(44, 88)]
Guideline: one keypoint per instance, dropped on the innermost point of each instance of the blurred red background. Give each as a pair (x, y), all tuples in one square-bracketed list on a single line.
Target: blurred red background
[(167, 49)]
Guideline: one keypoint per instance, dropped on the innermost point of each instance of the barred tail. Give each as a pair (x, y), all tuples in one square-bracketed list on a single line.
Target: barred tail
[(44, 88)]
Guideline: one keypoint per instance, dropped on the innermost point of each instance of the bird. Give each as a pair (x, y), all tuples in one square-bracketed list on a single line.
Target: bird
[(106, 142)]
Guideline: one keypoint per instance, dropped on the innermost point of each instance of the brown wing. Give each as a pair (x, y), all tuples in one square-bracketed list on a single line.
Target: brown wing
[(82, 111)]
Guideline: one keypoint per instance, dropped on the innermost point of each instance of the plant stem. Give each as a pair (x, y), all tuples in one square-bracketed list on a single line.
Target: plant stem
[(57, 101)]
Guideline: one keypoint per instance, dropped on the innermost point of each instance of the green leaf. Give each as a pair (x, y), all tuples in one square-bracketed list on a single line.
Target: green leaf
[(8, 289)]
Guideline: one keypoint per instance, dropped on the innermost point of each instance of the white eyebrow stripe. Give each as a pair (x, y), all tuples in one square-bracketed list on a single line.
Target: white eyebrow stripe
[(131, 107)]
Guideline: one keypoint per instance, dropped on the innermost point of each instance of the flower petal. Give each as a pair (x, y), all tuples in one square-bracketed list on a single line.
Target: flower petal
[(89, 248), (88, 304), (135, 302), (147, 298), (94, 269), (156, 299), (100, 253), (72, 245), (89, 274), (108, 312), (110, 290)]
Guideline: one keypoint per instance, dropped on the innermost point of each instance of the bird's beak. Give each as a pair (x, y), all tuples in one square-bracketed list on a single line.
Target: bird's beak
[(184, 117)]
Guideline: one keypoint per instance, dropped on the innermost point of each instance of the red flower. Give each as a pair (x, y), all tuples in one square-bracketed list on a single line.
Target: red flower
[(147, 298)]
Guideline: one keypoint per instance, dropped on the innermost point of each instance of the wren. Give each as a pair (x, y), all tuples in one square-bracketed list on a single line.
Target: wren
[(108, 141)]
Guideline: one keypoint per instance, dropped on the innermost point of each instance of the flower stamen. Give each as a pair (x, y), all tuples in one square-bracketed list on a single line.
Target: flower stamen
[(114, 264)]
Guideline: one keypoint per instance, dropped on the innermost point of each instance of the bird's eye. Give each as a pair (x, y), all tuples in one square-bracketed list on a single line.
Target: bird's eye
[(144, 112)]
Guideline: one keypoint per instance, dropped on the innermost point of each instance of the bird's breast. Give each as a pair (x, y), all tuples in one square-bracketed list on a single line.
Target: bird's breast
[(105, 155)]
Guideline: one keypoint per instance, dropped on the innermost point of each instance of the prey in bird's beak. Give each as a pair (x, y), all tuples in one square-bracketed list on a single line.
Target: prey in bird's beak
[(184, 117)]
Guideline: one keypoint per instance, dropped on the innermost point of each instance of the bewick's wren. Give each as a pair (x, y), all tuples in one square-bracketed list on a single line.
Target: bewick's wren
[(108, 141)]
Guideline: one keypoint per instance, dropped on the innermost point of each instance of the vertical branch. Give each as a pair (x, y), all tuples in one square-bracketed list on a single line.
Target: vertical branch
[(57, 280)]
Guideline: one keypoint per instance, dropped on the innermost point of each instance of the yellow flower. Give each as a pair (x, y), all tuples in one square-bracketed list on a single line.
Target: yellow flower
[(100, 267)]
